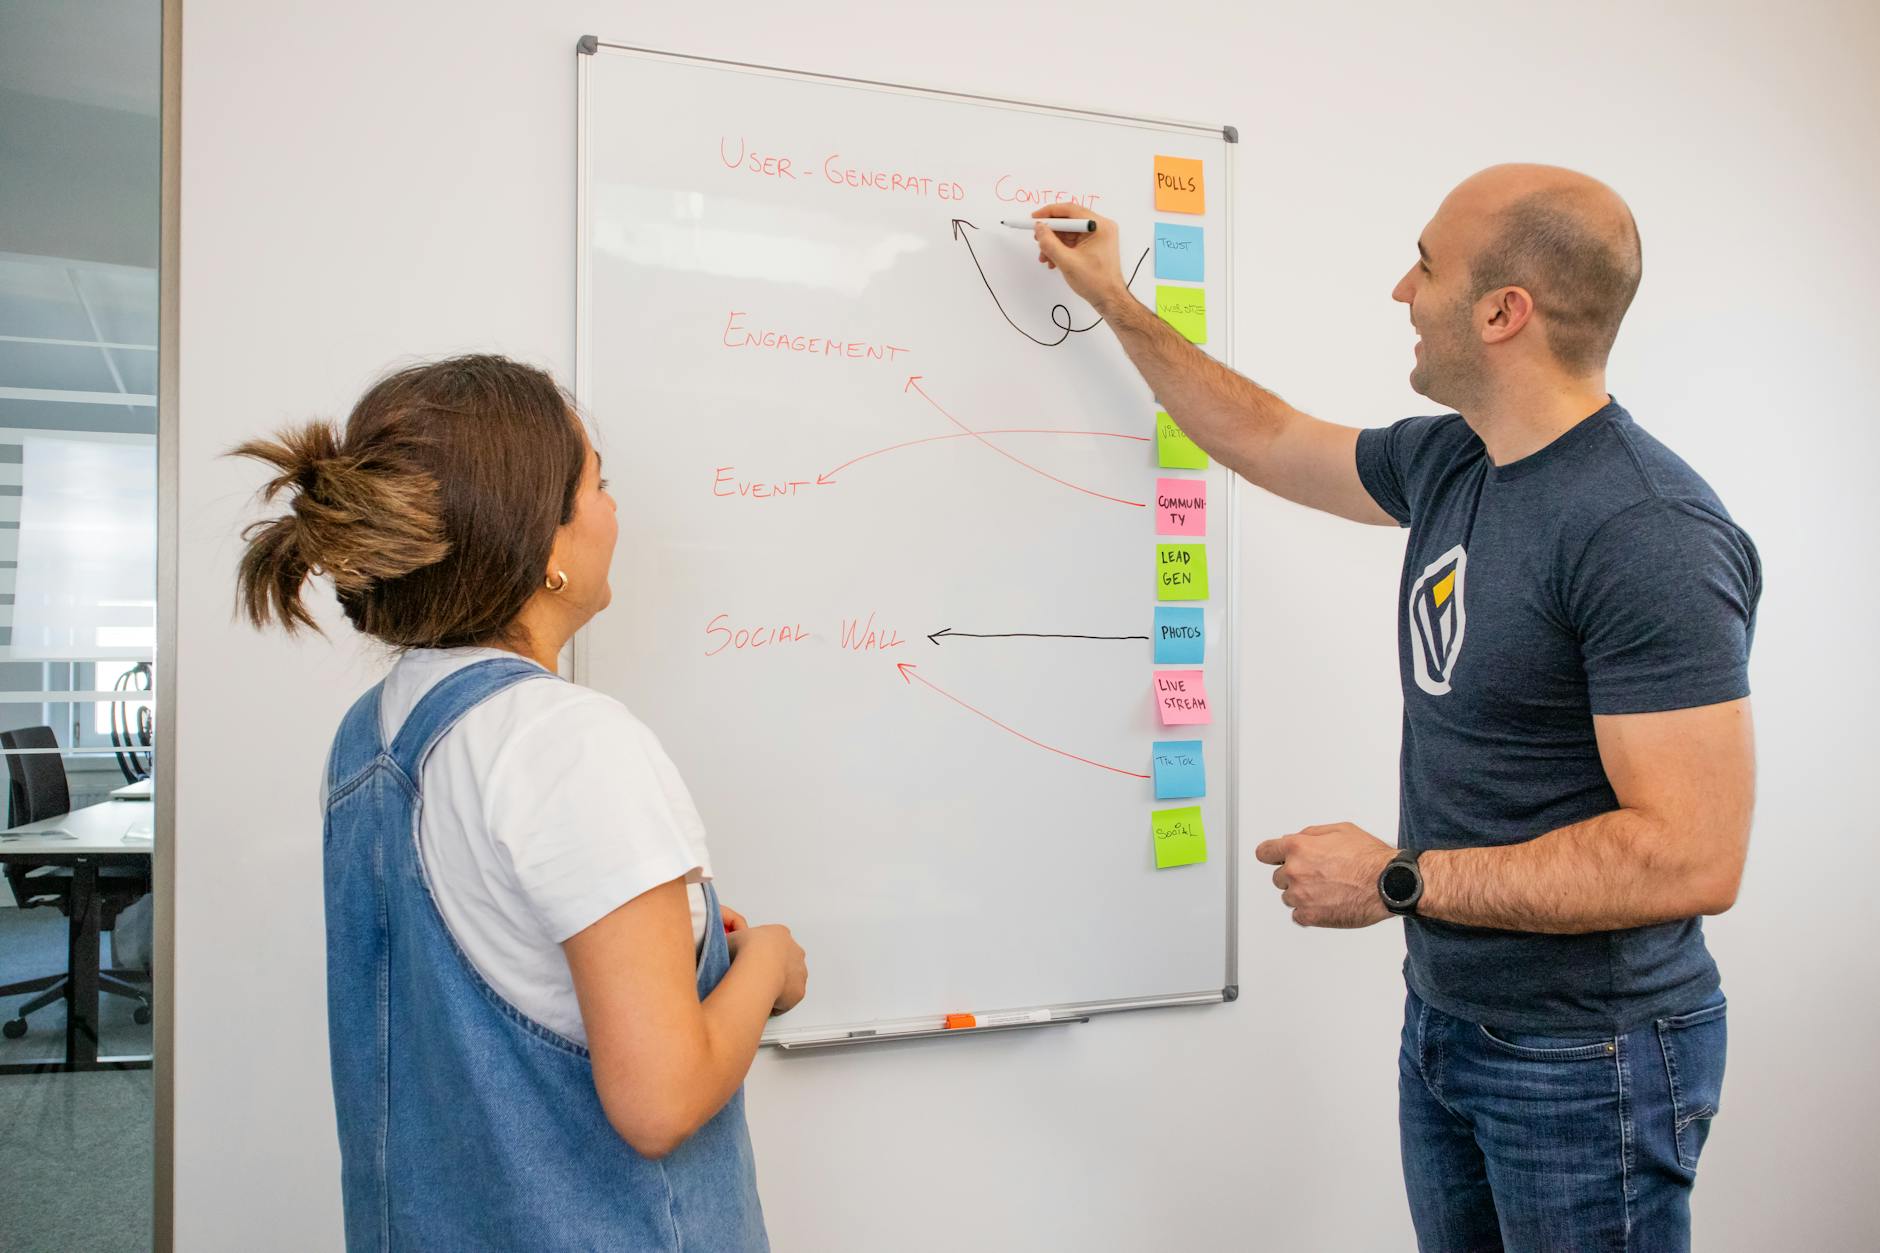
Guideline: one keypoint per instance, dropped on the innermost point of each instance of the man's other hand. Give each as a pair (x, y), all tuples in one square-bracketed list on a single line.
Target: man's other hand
[(1328, 875)]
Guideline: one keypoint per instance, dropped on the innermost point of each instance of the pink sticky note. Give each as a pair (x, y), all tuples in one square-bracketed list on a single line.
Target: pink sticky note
[(1181, 506), (1181, 697)]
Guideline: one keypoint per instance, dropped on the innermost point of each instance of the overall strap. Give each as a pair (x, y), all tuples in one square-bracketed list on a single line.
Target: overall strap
[(454, 696), (358, 744)]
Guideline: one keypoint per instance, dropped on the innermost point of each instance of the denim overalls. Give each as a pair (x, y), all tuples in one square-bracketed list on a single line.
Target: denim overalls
[(463, 1124)]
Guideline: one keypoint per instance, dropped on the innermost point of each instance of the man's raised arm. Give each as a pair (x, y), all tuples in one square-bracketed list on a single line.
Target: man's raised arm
[(1246, 428)]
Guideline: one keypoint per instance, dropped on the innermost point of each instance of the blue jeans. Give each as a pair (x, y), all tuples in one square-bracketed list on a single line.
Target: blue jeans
[(1535, 1143)]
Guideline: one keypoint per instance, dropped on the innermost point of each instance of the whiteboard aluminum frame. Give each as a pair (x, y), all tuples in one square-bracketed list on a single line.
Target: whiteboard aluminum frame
[(892, 1030)]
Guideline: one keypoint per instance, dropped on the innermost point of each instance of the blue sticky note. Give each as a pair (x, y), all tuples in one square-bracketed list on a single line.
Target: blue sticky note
[(1180, 639), (1179, 771), (1178, 252)]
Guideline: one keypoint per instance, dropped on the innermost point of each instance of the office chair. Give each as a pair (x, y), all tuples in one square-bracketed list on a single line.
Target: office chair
[(131, 727), (37, 790)]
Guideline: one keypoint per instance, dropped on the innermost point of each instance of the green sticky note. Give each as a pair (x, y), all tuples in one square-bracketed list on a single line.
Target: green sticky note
[(1181, 571), (1179, 840), (1173, 449), (1185, 309)]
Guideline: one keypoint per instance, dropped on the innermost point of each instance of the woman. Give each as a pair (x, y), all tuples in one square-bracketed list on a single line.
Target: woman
[(540, 1020)]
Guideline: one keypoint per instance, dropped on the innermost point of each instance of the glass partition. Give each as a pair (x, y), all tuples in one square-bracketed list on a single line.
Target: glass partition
[(79, 165)]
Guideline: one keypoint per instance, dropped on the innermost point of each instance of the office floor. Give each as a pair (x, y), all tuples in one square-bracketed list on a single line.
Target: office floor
[(75, 1150)]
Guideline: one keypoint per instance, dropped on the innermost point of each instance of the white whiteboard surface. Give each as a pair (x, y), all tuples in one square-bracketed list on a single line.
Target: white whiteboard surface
[(794, 363)]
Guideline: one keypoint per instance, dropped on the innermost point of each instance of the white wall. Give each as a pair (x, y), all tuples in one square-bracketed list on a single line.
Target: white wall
[(364, 182)]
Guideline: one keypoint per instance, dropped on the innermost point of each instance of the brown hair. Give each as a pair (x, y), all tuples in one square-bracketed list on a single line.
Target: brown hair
[(434, 512), (1581, 269)]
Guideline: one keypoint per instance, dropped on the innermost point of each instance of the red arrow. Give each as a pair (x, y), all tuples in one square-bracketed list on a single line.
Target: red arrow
[(828, 476), (913, 384), (908, 676)]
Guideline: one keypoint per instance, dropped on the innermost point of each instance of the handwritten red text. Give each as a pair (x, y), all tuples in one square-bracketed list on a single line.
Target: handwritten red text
[(722, 637), (738, 335)]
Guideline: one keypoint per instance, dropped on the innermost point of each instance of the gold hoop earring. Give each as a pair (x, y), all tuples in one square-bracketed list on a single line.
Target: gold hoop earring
[(557, 587)]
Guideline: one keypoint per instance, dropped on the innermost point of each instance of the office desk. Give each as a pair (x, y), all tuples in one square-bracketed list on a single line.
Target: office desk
[(115, 833), (138, 791)]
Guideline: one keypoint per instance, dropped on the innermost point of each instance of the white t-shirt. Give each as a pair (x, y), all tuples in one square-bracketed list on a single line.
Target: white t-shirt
[(546, 808)]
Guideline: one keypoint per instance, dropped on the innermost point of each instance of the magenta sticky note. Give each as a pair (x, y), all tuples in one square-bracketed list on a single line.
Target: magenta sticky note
[(1181, 697), (1181, 506)]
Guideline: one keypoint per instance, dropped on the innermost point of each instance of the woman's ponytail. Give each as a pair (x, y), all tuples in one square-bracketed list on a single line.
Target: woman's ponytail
[(357, 518), (433, 513)]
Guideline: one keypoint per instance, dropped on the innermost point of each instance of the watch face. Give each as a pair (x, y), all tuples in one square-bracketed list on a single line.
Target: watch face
[(1400, 882)]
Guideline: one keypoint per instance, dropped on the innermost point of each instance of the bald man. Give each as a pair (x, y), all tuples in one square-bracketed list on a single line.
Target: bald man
[(1574, 626)]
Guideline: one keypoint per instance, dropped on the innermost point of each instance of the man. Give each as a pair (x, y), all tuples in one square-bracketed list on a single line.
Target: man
[(1575, 617)]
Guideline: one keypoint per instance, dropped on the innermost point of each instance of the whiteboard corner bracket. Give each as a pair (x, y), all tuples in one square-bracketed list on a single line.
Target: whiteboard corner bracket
[(1231, 992), (588, 45), (1230, 133)]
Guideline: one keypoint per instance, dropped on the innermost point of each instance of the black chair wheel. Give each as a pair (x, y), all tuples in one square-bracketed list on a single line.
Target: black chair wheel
[(14, 1029), (141, 1015)]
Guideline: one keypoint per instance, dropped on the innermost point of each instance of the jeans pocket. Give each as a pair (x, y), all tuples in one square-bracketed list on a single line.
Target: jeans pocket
[(1547, 1048), (1694, 1047)]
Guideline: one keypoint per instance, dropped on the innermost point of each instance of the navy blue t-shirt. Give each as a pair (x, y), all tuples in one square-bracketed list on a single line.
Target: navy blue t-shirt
[(1599, 575)]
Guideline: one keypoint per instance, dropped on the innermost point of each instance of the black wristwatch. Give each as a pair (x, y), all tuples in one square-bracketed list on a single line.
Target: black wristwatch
[(1401, 884)]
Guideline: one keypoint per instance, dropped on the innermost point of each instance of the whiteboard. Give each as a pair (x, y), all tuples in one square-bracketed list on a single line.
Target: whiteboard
[(887, 568)]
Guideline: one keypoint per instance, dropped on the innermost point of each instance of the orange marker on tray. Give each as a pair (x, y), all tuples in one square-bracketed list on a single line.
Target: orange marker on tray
[(957, 1021)]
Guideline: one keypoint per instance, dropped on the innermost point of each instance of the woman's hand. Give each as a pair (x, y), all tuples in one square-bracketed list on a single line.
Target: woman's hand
[(775, 943), (734, 921), (664, 1061)]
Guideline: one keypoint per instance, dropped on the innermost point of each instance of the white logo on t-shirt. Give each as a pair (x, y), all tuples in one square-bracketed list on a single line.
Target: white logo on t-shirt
[(1435, 607)]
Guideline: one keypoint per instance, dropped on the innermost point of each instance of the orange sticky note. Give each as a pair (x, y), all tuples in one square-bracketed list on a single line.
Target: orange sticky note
[(1178, 185)]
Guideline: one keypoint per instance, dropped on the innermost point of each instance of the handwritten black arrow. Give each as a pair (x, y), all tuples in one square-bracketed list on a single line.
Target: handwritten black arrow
[(937, 636), (1060, 313)]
